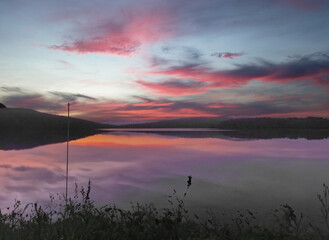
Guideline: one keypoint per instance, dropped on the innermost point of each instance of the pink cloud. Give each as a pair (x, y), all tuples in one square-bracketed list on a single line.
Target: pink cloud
[(140, 111), (124, 36), (314, 66), (228, 55), (203, 74), (101, 45), (175, 87), (145, 109), (320, 112)]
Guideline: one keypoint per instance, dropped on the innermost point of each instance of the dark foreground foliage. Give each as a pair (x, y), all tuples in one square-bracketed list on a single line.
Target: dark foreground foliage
[(78, 218)]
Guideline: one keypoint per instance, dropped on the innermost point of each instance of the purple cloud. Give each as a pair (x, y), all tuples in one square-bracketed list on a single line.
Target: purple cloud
[(228, 55)]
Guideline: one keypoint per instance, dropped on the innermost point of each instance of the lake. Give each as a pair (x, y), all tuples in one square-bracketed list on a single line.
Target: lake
[(136, 166)]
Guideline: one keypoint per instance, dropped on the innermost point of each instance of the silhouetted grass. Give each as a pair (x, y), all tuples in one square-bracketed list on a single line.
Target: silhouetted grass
[(79, 218)]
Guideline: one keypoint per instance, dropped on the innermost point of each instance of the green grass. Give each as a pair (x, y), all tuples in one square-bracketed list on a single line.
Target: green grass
[(79, 218)]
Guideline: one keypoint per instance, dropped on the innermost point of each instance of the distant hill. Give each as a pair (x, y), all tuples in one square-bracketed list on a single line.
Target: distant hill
[(18, 118), (275, 123), (243, 134), (197, 122), (238, 123), (25, 128), (243, 128)]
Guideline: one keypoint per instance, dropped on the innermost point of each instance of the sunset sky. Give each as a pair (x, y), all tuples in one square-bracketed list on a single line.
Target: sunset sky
[(138, 60)]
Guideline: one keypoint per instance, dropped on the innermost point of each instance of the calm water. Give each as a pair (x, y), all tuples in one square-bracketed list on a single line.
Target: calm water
[(145, 167)]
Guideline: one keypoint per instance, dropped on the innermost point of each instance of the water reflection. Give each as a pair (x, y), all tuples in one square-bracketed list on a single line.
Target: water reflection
[(252, 134), (11, 139), (145, 167)]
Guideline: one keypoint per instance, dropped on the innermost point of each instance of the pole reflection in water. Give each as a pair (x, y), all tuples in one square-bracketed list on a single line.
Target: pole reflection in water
[(67, 149)]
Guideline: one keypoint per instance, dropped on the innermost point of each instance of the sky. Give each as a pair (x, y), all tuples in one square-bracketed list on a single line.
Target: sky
[(141, 60)]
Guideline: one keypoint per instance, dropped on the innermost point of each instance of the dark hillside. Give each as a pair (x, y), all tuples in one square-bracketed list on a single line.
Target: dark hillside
[(276, 123), (179, 123), (25, 128), (26, 118)]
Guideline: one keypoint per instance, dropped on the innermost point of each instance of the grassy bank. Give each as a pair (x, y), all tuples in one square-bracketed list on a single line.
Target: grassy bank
[(79, 218)]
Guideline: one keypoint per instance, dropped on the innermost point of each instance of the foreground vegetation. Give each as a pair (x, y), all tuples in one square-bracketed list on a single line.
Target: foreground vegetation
[(79, 218)]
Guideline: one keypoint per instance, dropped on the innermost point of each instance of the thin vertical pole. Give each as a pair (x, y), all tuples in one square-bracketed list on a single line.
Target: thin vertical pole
[(67, 149)]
